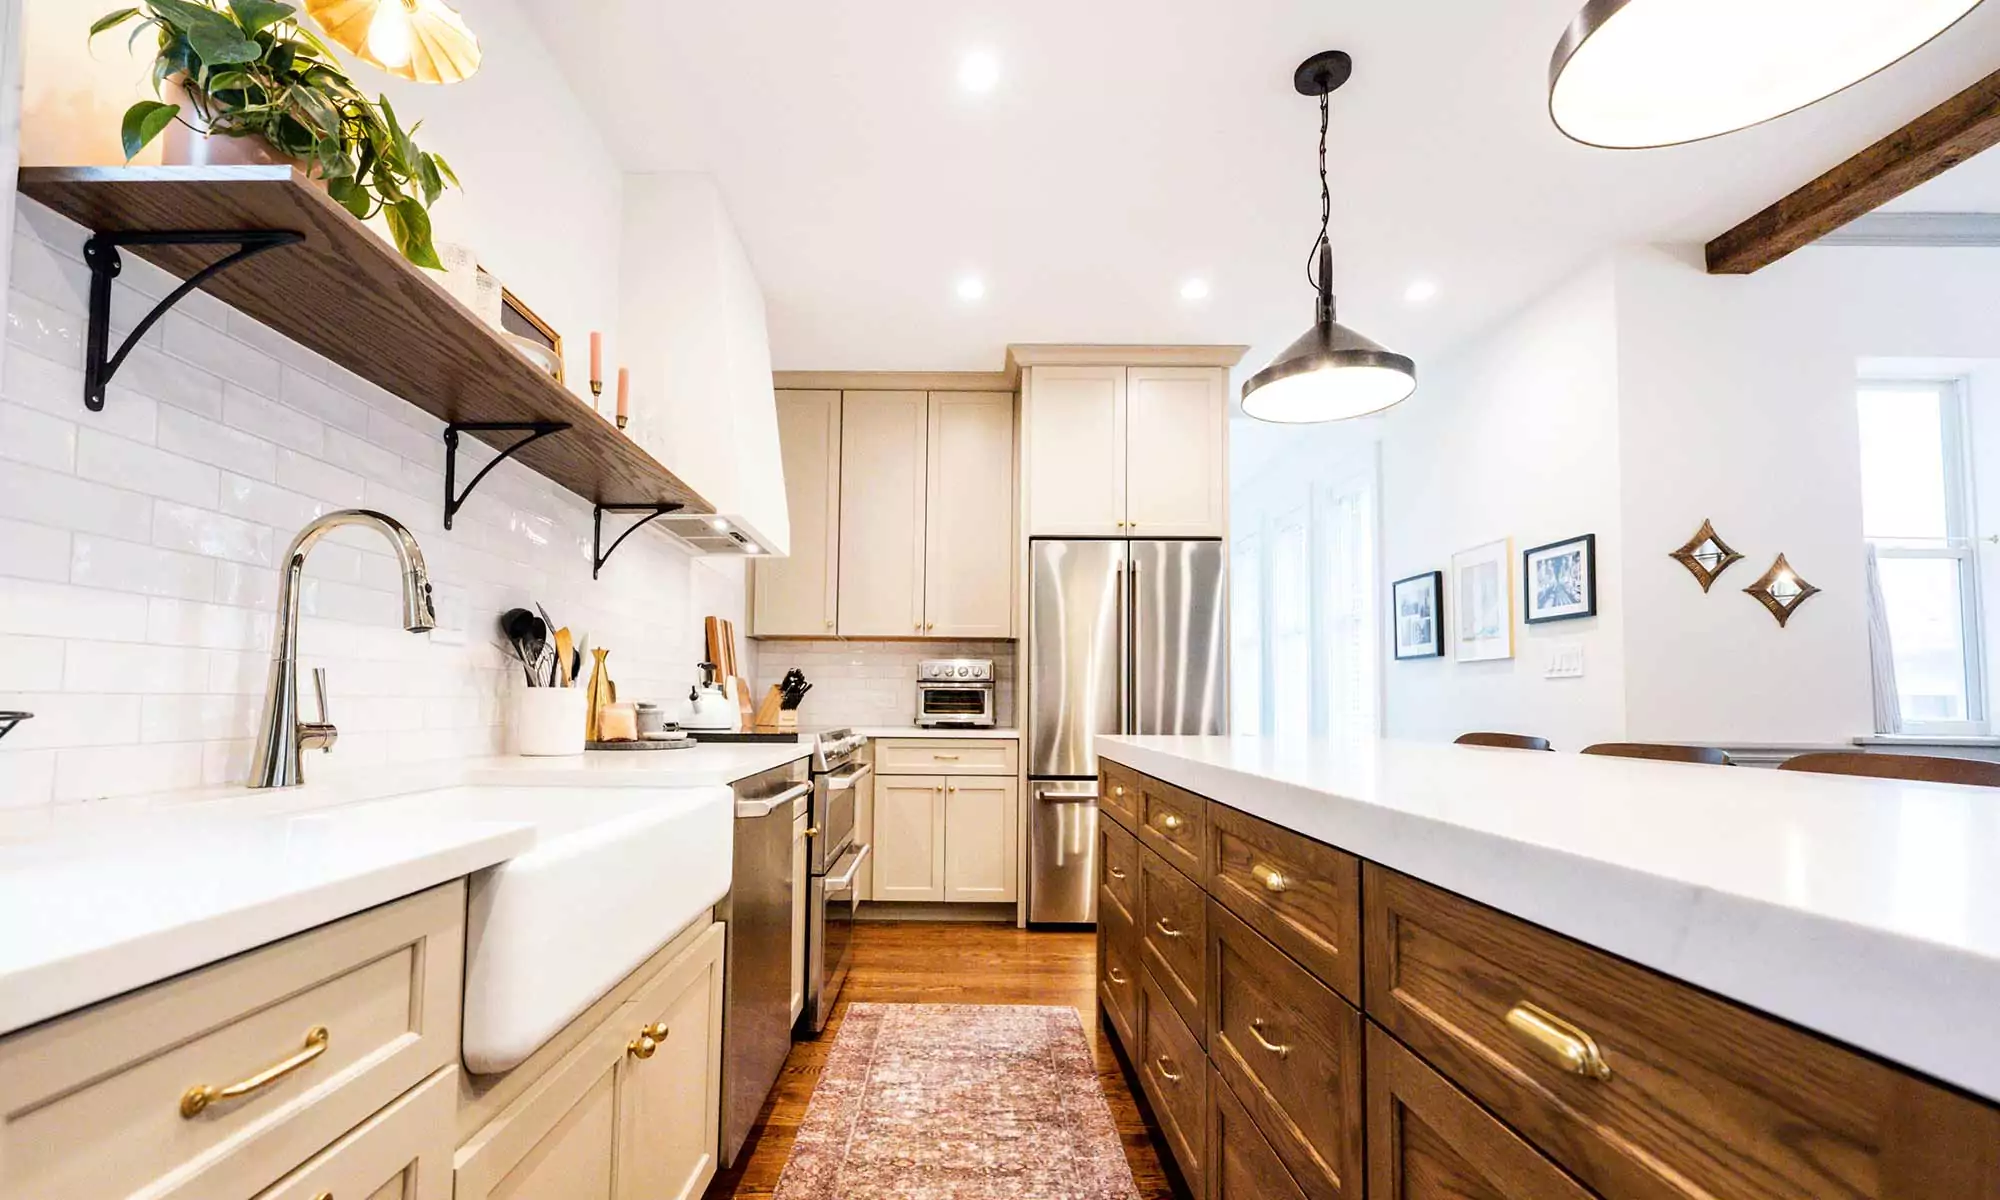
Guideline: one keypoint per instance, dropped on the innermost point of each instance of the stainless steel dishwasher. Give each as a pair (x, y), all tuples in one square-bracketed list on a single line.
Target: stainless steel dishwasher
[(757, 955)]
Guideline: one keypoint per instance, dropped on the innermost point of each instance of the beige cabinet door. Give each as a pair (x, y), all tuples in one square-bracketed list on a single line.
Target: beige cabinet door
[(670, 1100), (800, 882), (969, 517), (909, 837), (795, 596), (1176, 452), (1073, 422), (882, 444), (981, 824), (557, 1141), (864, 835)]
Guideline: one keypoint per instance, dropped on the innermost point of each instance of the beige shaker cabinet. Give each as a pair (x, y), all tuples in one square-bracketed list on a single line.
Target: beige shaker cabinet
[(1126, 451), (981, 827), (909, 838), (951, 835), (796, 596), (969, 522), (1073, 420), (883, 441)]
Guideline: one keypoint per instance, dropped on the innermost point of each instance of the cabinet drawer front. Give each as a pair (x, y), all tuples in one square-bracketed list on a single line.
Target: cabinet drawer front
[(1427, 1141), (1119, 852), (382, 985), (1241, 1164), (1174, 936), (1291, 1050), (1175, 824), (1118, 793), (1695, 1096), (1118, 975), (400, 1153), (1175, 1075), (947, 756), (1302, 895)]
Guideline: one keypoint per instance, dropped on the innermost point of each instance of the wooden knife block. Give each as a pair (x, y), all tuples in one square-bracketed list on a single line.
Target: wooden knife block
[(773, 717)]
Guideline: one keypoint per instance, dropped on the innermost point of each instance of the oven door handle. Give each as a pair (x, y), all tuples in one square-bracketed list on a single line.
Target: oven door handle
[(764, 807), (840, 783), (845, 879)]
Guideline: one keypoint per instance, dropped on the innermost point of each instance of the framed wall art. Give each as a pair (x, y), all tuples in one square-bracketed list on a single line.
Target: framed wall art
[(1418, 605), (1482, 582), (1559, 580)]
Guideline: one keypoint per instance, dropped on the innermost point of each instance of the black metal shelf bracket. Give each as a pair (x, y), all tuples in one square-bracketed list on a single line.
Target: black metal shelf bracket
[(455, 499), (600, 553), (100, 254)]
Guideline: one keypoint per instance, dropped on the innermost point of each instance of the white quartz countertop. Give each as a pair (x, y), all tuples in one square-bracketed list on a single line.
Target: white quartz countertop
[(911, 731), (1867, 910), (121, 894)]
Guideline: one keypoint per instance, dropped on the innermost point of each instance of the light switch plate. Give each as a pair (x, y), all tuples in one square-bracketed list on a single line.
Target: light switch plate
[(1563, 659)]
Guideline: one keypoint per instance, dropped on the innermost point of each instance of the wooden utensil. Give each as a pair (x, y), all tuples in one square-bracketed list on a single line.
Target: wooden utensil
[(564, 648)]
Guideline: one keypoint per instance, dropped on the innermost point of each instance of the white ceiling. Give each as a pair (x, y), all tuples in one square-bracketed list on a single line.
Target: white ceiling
[(1131, 144)]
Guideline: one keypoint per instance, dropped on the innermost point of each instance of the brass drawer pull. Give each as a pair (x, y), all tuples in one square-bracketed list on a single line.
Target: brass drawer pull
[(324, 1196), (1114, 872), (944, 758), (1117, 976), (1257, 1031), (1558, 1041), (1167, 929), (1166, 1068), (1118, 791), (1273, 881), (1171, 821), (648, 1042), (200, 1096)]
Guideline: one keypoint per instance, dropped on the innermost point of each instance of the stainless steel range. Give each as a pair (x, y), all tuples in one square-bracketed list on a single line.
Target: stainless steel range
[(839, 781)]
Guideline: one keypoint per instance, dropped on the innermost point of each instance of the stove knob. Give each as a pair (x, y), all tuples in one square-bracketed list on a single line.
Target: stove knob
[(964, 671)]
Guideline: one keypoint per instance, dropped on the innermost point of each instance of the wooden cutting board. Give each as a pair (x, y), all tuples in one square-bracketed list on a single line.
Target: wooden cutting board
[(722, 652)]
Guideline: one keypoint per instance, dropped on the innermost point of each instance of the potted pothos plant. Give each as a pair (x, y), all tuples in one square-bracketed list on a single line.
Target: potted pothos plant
[(251, 69)]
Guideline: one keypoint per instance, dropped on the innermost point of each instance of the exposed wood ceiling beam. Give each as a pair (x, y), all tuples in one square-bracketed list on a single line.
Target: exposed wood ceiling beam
[(1925, 148)]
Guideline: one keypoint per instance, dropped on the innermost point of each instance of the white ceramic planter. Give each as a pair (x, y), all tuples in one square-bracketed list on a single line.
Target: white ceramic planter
[(548, 722)]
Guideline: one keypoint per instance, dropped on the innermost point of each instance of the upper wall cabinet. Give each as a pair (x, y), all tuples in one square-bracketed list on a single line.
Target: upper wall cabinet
[(1126, 451), (969, 518), (796, 596), (883, 442)]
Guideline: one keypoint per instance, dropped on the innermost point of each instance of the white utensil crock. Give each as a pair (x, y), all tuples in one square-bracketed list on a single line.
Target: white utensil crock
[(548, 722)]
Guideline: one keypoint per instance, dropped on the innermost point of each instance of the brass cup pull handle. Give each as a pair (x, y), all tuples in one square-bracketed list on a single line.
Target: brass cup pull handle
[(1273, 880), (1114, 872), (1117, 976), (1163, 926), (1166, 1068), (197, 1098), (1557, 1040), (1171, 821), (1257, 1031)]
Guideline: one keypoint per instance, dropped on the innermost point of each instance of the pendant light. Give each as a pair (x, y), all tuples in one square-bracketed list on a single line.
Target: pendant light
[(1632, 74), (422, 40), (1331, 373)]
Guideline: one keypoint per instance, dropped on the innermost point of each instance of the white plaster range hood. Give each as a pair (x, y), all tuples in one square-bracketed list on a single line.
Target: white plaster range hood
[(691, 330)]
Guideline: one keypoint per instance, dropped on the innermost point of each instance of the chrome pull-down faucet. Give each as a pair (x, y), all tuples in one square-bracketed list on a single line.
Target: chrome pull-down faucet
[(284, 738)]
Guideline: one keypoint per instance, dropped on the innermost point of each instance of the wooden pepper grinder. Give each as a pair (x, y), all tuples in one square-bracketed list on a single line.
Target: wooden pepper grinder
[(602, 691)]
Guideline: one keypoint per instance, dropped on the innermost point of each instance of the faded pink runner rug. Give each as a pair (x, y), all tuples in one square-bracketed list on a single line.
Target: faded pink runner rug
[(958, 1102)]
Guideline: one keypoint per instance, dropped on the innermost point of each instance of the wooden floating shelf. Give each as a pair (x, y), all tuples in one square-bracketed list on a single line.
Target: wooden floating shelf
[(346, 294)]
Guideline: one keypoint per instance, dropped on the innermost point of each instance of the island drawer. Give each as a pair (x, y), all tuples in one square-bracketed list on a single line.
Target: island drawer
[(214, 1084), (1173, 936), (403, 1152), (1174, 1073), (1241, 1164), (1643, 1086), (1118, 974), (1302, 895), (1174, 824), (1428, 1141), (1290, 1049), (947, 756), (1118, 793), (1119, 852)]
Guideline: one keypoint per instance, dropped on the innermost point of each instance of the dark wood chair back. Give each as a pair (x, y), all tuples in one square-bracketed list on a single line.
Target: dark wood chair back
[(1692, 754), (1924, 768), (1506, 741)]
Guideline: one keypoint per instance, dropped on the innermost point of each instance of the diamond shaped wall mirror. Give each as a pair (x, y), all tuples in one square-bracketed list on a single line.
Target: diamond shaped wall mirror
[(1782, 591), (1706, 555)]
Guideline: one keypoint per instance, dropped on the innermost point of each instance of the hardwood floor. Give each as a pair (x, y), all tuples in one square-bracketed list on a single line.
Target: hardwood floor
[(904, 963)]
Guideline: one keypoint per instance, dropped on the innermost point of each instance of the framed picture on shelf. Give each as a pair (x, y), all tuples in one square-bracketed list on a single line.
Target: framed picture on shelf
[(1482, 581), (1418, 603), (1559, 580)]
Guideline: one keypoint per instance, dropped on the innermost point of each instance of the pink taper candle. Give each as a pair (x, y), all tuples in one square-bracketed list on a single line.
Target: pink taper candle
[(624, 394), (596, 357)]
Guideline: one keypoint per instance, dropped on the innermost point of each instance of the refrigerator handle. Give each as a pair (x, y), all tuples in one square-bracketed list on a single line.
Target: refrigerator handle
[(1124, 662), (1132, 654)]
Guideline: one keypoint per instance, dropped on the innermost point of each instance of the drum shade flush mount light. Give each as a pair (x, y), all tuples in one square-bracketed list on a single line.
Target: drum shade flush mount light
[(1633, 74), (1332, 372)]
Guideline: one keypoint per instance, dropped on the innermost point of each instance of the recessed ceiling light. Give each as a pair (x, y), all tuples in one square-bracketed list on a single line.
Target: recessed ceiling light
[(972, 287), (719, 525), (1423, 291), (978, 71), (1195, 289)]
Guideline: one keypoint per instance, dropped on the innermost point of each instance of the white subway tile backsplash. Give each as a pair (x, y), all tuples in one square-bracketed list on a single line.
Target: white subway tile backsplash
[(363, 458), (122, 566), (220, 354), (874, 683), (118, 667), (62, 721), (66, 502), (35, 438), (322, 401), (56, 389), (33, 551), (313, 477), (196, 437), (27, 778), (179, 527), (214, 626), (102, 771), (30, 664), (247, 586), (253, 413), (205, 718), (174, 383), (106, 458), (60, 610), (269, 504)]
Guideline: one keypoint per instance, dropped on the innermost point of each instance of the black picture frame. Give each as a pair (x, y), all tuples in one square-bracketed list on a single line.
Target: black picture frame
[(1436, 581), (1588, 545)]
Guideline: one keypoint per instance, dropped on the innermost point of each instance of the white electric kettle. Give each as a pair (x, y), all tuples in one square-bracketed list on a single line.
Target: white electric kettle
[(709, 707)]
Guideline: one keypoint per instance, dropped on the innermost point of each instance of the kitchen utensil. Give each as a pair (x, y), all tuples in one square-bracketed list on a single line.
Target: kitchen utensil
[(517, 625), (601, 693), (565, 658)]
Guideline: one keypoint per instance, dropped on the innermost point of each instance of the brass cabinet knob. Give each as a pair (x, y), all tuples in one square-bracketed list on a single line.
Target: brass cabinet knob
[(642, 1047), (1170, 821), (812, 831), (829, 622), (658, 1031)]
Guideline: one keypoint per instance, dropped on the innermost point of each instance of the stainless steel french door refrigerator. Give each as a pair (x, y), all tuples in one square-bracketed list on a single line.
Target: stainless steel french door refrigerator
[(1123, 637)]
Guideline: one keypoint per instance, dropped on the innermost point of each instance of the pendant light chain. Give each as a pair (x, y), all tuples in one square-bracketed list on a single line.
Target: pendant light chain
[(1325, 198)]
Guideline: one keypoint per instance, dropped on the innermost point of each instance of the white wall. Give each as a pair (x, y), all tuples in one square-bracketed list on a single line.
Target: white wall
[(1514, 436)]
